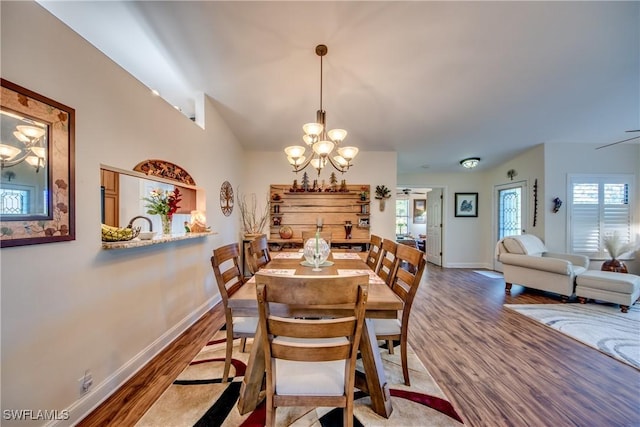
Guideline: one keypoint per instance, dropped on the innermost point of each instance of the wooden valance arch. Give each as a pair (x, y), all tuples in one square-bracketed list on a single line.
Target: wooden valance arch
[(164, 169)]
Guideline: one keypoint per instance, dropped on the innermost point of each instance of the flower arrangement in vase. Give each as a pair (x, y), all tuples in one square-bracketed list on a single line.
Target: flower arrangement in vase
[(164, 203), (253, 221), (616, 248)]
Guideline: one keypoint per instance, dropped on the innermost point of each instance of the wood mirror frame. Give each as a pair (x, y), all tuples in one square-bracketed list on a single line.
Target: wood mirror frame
[(59, 222)]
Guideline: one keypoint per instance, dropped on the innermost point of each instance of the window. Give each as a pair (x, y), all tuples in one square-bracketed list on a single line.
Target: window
[(14, 202), (402, 217), (599, 206)]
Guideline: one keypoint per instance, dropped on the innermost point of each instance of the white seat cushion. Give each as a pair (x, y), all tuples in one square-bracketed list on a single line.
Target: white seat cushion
[(310, 378), (387, 326), (245, 325)]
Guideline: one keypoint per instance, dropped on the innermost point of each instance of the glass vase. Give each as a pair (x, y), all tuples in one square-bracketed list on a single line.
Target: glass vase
[(166, 224), (316, 251)]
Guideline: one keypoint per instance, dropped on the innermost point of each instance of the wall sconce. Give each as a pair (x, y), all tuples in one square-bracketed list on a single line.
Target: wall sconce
[(470, 163), (556, 204)]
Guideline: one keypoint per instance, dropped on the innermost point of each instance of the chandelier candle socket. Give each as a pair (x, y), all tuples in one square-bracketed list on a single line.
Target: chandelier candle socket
[(322, 141)]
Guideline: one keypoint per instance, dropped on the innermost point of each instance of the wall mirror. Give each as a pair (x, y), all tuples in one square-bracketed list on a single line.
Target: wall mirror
[(37, 168)]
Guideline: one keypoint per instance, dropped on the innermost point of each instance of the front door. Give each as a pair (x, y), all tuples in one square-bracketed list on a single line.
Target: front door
[(511, 211)]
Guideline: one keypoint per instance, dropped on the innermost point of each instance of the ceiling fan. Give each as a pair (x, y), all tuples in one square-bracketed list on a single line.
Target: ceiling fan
[(621, 141), (407, 192)]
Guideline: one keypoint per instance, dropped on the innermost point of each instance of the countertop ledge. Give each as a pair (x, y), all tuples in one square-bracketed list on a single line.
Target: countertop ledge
[(137, 243)]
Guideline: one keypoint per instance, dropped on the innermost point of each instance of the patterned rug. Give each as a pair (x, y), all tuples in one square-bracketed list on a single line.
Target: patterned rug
[(198, 398), (601, 326)]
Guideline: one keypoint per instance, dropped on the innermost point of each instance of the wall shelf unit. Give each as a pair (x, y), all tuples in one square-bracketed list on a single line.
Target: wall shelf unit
[(303, 210)]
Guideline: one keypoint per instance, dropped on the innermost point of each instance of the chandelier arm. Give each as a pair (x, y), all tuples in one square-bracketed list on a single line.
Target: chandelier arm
[(304, 164), (338, 167), (16, 160)]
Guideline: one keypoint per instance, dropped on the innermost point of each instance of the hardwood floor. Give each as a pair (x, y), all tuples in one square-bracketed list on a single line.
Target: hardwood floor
[(498, 368)]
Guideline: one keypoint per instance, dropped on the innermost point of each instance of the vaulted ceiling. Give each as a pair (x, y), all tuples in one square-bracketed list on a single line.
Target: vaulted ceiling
[(434, 81)]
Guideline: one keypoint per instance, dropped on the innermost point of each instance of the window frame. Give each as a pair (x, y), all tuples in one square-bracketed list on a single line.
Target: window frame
[(600, 179)]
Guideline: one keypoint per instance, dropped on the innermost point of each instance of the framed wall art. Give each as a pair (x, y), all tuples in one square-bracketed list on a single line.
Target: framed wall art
[(37, 182), (466, 204), (419, 211)]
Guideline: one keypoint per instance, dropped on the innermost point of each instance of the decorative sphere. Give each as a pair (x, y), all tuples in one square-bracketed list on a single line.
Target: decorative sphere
[(310, 249)]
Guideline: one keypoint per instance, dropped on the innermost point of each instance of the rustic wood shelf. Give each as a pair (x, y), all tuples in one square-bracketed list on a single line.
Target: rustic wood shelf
[(302, 210)]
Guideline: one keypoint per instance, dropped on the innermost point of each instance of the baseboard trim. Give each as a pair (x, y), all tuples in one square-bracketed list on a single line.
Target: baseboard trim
[(89, 402), (470, 265)]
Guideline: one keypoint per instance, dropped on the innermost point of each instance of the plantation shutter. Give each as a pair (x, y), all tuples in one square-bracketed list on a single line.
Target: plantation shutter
[(600, 206)]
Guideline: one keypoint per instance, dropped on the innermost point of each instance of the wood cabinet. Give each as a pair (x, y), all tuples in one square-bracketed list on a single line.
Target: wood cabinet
[(110, 183), (188, 202), (302, 211)]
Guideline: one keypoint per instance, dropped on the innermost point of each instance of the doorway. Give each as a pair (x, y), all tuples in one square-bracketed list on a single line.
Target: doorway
[(511, 212)]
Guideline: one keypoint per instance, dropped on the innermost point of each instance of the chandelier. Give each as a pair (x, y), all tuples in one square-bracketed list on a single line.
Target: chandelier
[(321, 141), (30, 148)]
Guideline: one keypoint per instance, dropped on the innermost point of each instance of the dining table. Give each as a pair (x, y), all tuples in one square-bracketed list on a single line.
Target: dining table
[(382, 302)]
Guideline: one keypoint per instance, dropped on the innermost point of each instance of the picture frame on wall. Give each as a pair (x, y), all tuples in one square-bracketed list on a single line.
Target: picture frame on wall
[(419, 211), (466, 204), (38, 174)]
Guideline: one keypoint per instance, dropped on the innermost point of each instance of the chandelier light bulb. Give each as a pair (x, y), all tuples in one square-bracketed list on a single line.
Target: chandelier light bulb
[(295, 151), (341, 161), (337, 135), (33, 161), (348, 152), (316, 163), (8, 152), (313, 129), (309, 139), (323, 148), (20, 137), (297, 161), (30, 132), (39, 151)]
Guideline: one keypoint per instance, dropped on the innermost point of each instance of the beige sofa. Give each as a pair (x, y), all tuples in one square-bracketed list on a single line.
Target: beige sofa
[(527, 262)]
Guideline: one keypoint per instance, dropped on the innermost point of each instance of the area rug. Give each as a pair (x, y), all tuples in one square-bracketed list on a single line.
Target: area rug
[(601, 326), (198, 398), (490, 274)]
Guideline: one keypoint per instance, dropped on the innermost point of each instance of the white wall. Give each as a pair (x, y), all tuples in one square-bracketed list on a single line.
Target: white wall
[(463, 239), (71, 306), (564, 159)]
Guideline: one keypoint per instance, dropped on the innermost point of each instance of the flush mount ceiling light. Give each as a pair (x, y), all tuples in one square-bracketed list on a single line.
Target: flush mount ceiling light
[(470, 163), (322, 142)]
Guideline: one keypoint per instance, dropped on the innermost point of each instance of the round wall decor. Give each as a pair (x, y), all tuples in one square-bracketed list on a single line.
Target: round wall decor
[(226, 198)]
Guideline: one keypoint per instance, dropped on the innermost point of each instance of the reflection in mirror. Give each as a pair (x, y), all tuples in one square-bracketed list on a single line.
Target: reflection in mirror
[(24, 180)]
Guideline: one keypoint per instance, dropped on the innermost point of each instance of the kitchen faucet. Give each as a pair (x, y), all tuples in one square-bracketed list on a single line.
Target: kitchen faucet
[(143, 217)]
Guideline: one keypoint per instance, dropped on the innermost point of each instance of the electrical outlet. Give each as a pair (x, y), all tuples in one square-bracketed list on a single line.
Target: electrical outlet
[(86, 381)]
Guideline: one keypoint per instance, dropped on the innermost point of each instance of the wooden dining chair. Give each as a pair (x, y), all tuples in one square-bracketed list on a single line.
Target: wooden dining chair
[(310, 354), (375, 248), (409, 268), (326, 235), (387, 261), (257, 253), (226, 267)]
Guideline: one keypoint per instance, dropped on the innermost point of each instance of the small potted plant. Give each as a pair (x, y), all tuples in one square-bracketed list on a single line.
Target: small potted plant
[(382, 193), (364, 194)]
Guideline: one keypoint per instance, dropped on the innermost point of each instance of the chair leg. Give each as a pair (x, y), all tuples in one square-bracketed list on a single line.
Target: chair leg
[(243, 344), (403, 357), (227, 357), (270, 420), (390, 346), (347, 415)]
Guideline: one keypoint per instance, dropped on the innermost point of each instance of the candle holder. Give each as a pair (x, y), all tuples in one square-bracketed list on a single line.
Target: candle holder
[(347, 229)]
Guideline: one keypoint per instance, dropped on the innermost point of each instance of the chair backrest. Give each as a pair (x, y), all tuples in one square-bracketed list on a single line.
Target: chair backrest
[(326, 235), (410, 265), (226, 267), (387, 262), (257, 253), (375, 248), (285, 305)]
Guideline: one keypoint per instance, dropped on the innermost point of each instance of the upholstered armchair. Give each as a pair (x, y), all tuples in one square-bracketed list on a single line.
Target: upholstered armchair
[(527, 262)]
